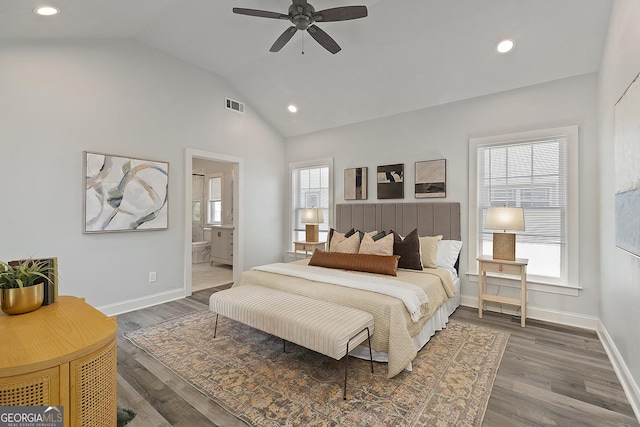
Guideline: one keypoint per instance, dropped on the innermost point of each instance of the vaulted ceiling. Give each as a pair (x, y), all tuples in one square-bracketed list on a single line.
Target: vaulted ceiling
[(406, 55)]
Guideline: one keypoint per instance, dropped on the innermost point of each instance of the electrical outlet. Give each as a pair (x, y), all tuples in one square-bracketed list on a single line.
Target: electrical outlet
[(152, 276)]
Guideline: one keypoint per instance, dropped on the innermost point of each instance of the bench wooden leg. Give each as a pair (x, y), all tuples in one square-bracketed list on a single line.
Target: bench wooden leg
[(215, 328)]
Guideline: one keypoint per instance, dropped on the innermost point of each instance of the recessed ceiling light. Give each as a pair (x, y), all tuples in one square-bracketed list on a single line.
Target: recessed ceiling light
[(292, 108), (504, 46), (46, 11)]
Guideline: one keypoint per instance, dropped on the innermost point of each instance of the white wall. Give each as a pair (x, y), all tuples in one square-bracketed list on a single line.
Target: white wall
[(620, 271), (120, 97), (444, 132)]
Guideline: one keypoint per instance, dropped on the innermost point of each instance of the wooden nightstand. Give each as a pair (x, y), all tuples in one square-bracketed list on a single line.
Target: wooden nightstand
[(307, 247), (518, 267)]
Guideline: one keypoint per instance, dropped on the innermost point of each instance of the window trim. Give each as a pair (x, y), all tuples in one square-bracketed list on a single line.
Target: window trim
[(325, 161), (571, 133)]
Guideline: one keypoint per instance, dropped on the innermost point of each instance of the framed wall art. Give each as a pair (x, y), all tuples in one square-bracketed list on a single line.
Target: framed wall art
[(124, 193), (355, 184), (431, 179), (391, 181), (627, 173)]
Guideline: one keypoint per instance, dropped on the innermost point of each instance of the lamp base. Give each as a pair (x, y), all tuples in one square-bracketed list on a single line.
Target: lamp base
[(504, 246), (312, 232)]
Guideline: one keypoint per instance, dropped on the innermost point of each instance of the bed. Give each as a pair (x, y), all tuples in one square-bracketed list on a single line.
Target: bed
[(397, 337)]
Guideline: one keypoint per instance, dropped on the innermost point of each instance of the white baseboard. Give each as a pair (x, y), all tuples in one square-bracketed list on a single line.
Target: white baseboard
[(631, 389), (143, 302), (563, 318)]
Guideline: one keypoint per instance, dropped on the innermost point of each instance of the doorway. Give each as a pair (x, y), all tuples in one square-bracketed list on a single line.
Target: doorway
[(212, 255)]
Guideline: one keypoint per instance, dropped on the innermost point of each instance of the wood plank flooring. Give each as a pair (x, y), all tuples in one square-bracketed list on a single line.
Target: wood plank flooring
[(204, 275), (550, 375)]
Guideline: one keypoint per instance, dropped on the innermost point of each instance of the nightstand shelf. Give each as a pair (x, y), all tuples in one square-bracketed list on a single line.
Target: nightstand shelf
[(306, 247), (498, 266)]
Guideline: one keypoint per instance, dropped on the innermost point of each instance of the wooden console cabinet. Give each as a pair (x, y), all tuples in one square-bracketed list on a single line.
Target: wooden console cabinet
[(61, 354)]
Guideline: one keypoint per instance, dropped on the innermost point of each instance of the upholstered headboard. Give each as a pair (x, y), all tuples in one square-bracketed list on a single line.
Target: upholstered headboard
[(430, 218)]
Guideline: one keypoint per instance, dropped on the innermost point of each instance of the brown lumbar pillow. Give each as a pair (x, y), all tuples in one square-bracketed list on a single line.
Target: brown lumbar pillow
[(356, 262)]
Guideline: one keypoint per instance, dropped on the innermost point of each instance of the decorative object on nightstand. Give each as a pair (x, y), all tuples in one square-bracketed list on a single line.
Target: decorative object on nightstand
[(27, 284), (504, 218), (517, 267), (312, 217)]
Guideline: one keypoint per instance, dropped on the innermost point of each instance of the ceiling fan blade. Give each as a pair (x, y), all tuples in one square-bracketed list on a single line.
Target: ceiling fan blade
[(324, 39), (344, 13), (259, 13), (283, 39)]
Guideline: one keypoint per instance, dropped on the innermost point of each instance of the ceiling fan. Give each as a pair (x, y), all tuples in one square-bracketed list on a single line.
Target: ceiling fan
[(303, 17)]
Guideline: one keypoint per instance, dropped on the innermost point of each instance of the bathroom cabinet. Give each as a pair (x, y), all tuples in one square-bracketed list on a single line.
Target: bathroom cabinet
[(222, 244)]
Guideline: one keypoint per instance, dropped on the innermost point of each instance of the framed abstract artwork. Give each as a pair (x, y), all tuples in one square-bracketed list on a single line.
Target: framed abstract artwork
[(627, 173), (355, 184), (391, 181), (124, 193), (431, 179)]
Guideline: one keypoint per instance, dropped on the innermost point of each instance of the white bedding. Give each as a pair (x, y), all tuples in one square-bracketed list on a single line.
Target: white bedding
[(394, 327), (411, 295)]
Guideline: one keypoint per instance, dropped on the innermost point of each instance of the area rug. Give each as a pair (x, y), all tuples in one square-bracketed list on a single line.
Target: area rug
[(247, 373)]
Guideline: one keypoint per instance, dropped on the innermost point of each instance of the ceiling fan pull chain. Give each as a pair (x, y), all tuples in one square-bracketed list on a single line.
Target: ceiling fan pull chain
[(303, 43)]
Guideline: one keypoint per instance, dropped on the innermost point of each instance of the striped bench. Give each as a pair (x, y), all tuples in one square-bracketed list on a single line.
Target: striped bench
[(321, 326)]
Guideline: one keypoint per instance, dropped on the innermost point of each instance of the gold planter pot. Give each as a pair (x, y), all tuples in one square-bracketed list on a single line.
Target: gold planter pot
[(22, 300)]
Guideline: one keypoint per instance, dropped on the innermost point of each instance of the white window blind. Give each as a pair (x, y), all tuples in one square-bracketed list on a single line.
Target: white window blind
[(311, 188), (531, 174), (214, 210), (537, 170)]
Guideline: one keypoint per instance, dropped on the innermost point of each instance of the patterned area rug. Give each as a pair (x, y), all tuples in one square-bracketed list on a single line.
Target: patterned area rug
[(246, 372)]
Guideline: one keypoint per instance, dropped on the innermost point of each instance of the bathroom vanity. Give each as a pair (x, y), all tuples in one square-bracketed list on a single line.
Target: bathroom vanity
[(222, 244)]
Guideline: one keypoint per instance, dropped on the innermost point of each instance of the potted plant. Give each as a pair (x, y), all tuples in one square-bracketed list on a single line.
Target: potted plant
[(22, 285)]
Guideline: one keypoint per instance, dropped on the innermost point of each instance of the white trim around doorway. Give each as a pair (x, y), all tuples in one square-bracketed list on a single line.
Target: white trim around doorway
[(238, 259)]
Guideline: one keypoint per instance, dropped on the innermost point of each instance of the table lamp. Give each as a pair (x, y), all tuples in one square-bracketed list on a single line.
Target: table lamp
[(504, 218), (312, 217)]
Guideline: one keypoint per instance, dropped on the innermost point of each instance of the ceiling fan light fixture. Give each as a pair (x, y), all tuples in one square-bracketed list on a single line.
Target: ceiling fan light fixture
[(504, 46), (303, 17), (292, 108), (46, 11)]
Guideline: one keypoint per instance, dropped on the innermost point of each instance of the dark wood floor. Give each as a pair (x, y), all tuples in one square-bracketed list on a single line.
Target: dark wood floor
[(550, 375)]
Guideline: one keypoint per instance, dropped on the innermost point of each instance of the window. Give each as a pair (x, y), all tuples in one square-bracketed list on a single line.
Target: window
[(533, 171), (311, 187), (214, 202)]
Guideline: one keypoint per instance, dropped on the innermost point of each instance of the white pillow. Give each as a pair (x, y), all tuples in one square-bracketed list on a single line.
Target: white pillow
[(382, 246), (448, 251)]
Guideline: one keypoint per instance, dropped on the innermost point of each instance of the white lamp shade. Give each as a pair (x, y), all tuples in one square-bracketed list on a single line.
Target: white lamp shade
[(312, 216), (504, 219)]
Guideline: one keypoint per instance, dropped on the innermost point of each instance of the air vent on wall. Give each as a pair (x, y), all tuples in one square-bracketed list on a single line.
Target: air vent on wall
[(236, 106)]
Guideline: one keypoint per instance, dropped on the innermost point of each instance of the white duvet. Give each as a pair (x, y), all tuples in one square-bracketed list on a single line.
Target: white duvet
[(413, 297)]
